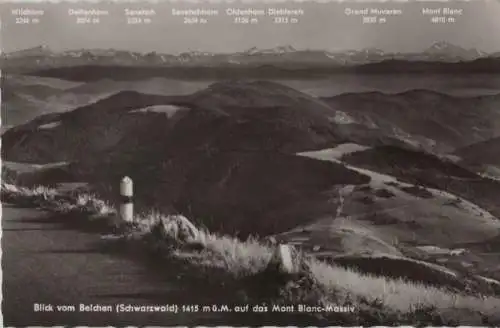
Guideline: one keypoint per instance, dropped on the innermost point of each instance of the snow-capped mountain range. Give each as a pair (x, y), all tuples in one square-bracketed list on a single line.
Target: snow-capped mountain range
[(43, 56)]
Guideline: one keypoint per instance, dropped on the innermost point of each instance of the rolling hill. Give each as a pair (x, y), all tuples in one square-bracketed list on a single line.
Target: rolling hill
[(260, 158), (485, 152), (26, 97), (203, 155), (482, 157), (434, 121), (430, 171)]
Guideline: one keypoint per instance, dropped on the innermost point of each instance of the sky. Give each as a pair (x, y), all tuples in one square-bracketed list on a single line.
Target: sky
[(322, 26)]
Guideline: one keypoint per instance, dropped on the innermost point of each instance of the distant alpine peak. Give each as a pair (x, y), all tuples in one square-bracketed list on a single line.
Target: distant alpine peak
[(375, 51), (447, 46), (89, 52), (252, 51), (34, 51), (442, 45), (275, 50), (367, 51), (41, 47), (287, 48), (195, 53)]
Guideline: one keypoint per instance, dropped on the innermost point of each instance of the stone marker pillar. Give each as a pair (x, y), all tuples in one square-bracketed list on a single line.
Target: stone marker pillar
[(284, 258), (126, 202)]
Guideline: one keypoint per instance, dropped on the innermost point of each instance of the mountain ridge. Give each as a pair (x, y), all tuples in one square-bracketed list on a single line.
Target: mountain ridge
[(484, 152), (43, 56)]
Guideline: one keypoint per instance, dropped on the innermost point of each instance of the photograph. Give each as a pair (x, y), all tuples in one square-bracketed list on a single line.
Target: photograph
[(250, 163)]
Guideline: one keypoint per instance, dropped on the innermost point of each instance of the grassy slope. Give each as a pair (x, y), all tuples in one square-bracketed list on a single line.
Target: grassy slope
[(389, 216), (427, 170), (378, 300)]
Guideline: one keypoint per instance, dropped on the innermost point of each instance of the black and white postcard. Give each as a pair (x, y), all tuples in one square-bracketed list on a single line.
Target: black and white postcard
[(250, 163)]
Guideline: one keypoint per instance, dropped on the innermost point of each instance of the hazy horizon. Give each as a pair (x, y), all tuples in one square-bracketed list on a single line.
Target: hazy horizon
[(323, 26), (242, 50)]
